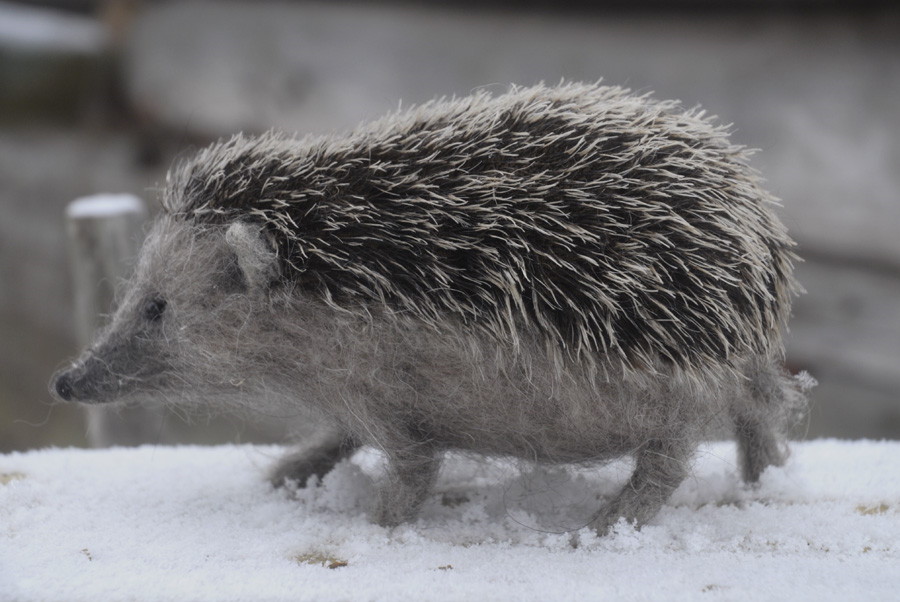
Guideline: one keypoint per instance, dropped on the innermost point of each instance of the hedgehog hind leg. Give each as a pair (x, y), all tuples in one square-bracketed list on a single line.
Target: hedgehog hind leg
[(316, 458), (412, 470), (759, 447), (770, 403), (661, 466)]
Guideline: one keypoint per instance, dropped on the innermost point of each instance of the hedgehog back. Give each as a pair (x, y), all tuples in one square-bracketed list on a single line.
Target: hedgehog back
[(606, 223)]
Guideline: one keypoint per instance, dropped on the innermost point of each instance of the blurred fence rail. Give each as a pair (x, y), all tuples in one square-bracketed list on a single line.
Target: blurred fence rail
[(104, 235)]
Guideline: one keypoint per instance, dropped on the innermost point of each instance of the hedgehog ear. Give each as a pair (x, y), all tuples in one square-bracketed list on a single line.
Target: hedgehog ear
[(256, 254)]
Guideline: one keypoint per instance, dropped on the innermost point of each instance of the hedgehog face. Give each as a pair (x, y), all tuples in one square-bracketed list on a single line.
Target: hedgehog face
[(179, 319)]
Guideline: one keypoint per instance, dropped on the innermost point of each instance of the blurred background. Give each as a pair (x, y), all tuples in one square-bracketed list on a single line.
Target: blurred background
[(101, 96)]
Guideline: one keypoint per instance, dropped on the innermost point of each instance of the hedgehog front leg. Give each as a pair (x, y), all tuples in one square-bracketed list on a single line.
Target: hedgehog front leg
[(316, 458), (661, 466), (411, 473)]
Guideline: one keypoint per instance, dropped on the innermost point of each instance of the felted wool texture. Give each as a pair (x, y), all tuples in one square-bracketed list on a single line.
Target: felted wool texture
[(563, 274), (607, 222)]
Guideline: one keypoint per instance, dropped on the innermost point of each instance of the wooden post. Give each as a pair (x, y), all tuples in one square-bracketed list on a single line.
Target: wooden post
[(105, 233)]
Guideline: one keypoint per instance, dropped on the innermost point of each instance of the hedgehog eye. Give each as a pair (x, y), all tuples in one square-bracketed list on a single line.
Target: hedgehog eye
[(153, 309)]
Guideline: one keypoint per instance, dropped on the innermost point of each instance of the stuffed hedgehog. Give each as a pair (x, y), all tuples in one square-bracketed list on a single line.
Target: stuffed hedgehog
[(562, 274)]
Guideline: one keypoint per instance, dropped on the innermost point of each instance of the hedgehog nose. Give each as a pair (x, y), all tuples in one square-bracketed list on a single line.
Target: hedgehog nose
[(63, 386)]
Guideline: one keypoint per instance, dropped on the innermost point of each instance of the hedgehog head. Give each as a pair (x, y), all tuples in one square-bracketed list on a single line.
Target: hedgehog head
[(194, 291)]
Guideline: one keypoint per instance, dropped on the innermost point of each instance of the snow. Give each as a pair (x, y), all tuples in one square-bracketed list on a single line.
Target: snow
[(104, 205), (201, 523), (33, 28)]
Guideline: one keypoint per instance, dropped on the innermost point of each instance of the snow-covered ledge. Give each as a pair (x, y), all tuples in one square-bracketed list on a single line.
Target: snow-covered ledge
[(195, 523)]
